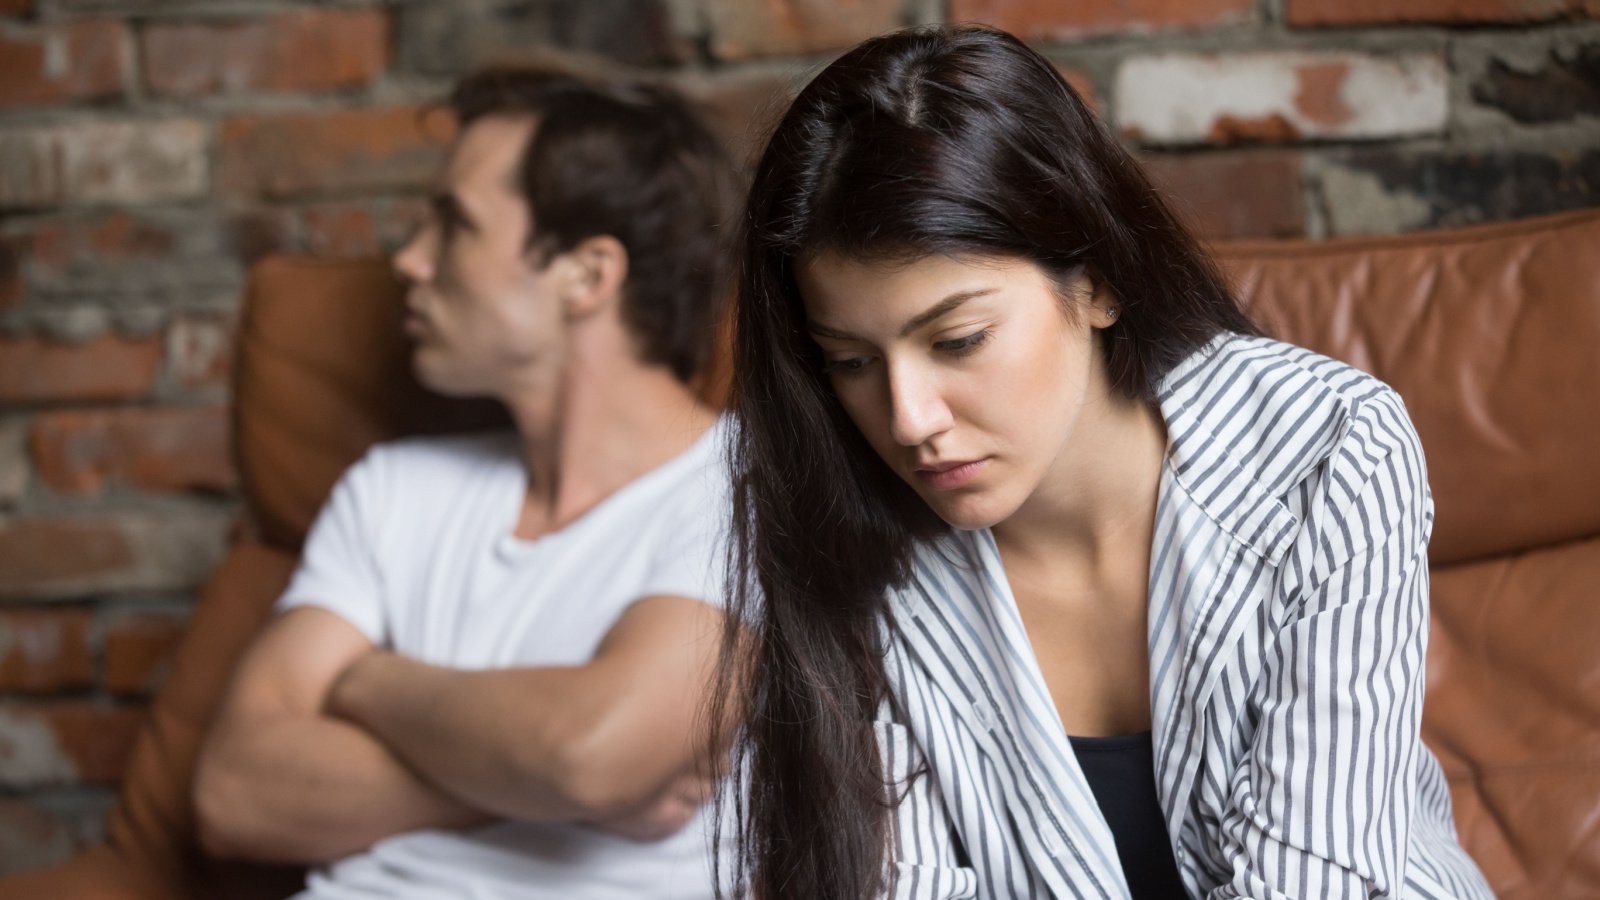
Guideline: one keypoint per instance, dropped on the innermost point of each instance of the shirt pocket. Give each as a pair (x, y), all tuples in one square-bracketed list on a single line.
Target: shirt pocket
[(924, 859)]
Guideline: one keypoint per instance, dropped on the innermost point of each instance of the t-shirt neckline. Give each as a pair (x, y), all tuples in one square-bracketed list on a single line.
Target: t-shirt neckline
[(510, 543)]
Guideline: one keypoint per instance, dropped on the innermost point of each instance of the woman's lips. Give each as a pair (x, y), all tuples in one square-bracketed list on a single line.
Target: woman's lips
[(948, 476)]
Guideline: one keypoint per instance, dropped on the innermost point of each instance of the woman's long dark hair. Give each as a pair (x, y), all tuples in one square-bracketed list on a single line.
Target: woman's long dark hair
[(947, 140)]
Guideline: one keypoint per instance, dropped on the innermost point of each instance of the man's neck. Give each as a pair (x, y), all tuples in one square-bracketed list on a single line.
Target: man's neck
[(599, 429)]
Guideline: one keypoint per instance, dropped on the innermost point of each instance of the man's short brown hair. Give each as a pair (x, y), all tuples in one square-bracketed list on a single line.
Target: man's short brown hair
[(624, 157)]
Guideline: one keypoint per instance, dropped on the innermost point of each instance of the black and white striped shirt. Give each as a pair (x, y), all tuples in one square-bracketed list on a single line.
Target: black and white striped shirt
[(1288, 626)]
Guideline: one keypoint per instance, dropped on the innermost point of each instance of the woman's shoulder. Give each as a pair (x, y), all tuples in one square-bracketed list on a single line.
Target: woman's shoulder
[(1282, 412)]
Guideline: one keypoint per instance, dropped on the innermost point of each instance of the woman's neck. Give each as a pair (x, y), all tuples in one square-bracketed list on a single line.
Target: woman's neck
[(1096, 504)]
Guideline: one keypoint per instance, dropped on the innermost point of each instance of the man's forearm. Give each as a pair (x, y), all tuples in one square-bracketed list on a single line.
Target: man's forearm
[(311, 789), (518, 743)]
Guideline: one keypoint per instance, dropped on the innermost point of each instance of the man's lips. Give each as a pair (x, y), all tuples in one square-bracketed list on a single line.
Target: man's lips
[(948, 475), (415, 324)]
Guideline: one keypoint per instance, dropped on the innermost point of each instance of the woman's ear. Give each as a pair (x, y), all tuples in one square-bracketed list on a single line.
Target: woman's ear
[(592, 276), (1103, 307)]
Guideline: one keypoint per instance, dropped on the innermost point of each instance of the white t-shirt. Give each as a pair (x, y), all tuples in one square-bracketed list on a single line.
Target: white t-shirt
[(416, 548)]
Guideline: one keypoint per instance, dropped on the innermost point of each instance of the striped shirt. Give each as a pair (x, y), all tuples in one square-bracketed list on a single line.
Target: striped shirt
[(1288, 626)]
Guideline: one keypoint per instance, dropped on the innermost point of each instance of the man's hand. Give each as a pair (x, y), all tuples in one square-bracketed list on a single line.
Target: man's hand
[(280, 781)]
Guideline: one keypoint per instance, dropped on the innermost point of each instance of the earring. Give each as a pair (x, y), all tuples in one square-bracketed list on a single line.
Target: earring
[(1111, 312)]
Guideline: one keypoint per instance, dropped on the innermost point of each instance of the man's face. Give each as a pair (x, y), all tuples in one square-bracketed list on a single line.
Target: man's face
[(482, 307)]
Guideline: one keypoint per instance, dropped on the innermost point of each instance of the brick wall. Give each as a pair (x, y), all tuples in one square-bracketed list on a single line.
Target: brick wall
[(150, 150)]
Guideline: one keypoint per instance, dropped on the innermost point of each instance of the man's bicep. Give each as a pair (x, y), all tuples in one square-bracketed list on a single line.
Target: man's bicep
[(657, 663), (661, 626), (293, 663)]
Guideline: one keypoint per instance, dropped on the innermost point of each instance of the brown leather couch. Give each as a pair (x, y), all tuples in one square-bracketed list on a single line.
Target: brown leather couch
[(1491, 334)]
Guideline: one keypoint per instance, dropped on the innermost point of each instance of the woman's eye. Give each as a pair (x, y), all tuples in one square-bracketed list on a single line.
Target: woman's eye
[(845, 366), (964, 345)]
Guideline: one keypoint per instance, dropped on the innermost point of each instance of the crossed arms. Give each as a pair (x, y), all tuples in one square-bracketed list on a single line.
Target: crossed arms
[(326, 744)]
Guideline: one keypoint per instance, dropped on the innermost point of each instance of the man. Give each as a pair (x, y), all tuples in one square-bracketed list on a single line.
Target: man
[(485, 676)]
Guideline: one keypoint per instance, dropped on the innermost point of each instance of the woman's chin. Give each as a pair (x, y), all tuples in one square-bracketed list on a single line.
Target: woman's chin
[(971, 511)]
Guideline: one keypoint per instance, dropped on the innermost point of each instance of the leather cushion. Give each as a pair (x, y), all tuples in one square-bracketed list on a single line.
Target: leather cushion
[(1489, 333)]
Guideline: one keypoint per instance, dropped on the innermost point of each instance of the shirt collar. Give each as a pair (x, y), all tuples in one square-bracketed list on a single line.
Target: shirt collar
[(1221, 478)]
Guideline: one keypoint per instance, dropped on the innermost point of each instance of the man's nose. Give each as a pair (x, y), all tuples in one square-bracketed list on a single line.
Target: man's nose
[(414, 261)]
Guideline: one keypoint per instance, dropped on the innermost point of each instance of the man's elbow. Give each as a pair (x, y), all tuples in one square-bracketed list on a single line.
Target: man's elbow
[(232, 821), (600, 777), (221, 805)]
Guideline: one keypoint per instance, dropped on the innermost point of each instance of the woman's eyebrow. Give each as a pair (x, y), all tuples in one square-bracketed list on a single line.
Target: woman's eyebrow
[(943, 306), (920, 319)]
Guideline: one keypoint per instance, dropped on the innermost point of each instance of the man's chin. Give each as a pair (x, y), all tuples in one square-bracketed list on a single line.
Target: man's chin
[(437, 379)]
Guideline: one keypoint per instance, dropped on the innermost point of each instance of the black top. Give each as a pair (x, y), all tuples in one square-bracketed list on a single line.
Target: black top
[(1122, 774)]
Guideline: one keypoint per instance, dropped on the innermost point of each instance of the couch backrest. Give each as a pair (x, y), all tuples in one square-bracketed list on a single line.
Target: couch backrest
[(1492, 336)]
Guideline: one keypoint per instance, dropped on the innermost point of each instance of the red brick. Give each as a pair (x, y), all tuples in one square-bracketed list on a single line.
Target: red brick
[(45, 551), (342, 230), (65, 742), (52, 247), (295, 154), (1373, 12), (108, 368), (139, 651), (157, 449), (12, 287), (1046, 19), (741, 29), (174, 253), (81, 60), (170, 547), (299, 51), (45, 649), (1233, 195), (200, 351), (1083, 84)]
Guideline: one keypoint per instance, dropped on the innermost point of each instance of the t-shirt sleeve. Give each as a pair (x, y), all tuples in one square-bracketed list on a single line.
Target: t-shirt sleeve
[(691, 555), (338, 568)]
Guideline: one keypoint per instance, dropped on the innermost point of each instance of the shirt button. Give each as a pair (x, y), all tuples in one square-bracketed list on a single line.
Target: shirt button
[(1052, 844)]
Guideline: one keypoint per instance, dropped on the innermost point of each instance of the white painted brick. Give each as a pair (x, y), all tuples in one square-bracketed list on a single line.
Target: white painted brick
[(13, 461), (32, 755), (105, 162), (1181, 98)]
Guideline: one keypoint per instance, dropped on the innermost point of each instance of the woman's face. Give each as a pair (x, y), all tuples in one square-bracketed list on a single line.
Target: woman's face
[(966, 374)]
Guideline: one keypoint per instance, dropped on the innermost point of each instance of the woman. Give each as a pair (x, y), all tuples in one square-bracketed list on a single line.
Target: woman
[(1064, 581)]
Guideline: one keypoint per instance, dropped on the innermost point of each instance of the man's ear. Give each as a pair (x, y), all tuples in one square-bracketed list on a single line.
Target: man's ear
[(592, 275)]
